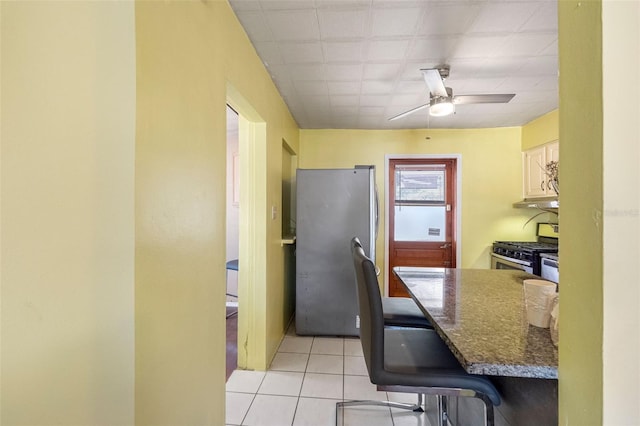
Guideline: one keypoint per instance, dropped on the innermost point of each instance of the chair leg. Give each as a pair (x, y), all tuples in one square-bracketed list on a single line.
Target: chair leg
[(416, 408), (441, 401), (489, 418)]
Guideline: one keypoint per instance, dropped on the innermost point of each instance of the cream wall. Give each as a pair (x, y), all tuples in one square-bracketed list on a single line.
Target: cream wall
[(621, 212), (67, 166), (192, 57), (491, 176)]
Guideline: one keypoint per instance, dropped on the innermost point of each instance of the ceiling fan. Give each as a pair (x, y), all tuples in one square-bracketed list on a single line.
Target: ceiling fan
[(442, 102)]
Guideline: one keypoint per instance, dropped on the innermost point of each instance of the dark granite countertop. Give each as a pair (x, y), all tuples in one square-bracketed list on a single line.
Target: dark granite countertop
[(480, 314)]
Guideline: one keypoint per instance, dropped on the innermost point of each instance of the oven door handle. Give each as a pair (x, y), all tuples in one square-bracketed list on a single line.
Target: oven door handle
[(511, 259)]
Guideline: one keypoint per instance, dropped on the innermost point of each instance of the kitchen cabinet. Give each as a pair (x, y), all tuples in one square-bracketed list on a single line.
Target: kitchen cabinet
[(535, 182)]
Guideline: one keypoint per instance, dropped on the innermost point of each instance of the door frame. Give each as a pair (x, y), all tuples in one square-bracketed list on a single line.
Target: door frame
[(458, 214)]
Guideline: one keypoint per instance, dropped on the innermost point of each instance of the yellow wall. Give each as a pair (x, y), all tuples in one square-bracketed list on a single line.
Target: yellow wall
[(491, 176), (541, 130), (581, 205), (188, 55), (67, 272)]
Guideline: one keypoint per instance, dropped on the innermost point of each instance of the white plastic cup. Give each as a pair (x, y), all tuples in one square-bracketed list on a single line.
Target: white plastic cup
[(538, 298)]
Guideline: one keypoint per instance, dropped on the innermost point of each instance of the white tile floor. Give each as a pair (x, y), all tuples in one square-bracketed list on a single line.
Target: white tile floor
[(307, 377)]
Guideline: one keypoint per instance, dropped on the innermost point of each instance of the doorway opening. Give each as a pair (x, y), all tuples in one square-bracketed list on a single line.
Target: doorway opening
[(422, 215), (232, 240)]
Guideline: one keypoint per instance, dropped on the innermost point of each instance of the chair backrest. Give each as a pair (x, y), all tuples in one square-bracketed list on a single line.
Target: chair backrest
[(370, 306)]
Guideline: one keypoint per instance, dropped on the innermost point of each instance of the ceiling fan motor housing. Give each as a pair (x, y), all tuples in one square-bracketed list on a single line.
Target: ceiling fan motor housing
[(439, 106)]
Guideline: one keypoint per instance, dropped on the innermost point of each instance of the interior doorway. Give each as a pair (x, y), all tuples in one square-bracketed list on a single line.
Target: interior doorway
[(232, 240), (422, 212)]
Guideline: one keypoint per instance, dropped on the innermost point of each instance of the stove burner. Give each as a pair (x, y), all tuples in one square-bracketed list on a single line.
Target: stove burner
[(533, 246)]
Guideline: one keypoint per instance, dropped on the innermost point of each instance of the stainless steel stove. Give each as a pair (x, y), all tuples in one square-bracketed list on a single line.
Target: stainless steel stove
[(525, 255)]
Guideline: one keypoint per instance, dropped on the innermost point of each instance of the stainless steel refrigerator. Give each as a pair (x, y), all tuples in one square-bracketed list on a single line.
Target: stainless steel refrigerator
[(332, 207)]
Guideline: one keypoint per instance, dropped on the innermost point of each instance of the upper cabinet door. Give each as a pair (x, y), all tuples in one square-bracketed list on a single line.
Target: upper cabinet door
[(534, 178), (552, 151), (535, 181)]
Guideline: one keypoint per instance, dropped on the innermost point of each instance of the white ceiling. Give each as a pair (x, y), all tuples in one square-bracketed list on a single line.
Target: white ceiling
[(355, 63)]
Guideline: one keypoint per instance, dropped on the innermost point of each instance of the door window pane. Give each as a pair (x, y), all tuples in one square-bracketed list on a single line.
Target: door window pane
[(419, 186), (420, 223)]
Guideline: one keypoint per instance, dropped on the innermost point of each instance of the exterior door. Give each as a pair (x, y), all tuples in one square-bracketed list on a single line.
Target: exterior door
[(422, 209)]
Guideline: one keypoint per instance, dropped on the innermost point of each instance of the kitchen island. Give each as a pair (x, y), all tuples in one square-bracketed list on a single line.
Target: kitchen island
[(481, 316)]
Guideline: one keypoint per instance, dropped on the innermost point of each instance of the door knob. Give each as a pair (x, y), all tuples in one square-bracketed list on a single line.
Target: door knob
[(445, 245)]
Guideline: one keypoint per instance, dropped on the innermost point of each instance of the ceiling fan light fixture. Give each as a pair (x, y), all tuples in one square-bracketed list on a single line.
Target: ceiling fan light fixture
[(441, 107)]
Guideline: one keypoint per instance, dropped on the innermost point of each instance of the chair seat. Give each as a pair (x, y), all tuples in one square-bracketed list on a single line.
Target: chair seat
[(403, 312), (232, 265), (418, 357)]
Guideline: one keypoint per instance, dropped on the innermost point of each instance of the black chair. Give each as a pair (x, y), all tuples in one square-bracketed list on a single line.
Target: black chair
[(400, 311), (410, 360)]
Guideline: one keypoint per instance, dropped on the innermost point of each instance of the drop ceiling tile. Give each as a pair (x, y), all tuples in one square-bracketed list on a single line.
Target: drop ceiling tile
[(317, 104), (520, 84), (475, 85), (503, 17), (286, 4), (527, 44), (548, 83), (311, 88), (279, 72), (448, 18), (545, 18), (286, 88), (345, 100), (534, 96), (435, 48), (551, 50), (344, 72), (342, 24), (307, 72), (412, 71), (479, 46), (371, 116), (411, 87), (343, 87), (343, 51), (332, 90), (376, 87), (396, 3), (336, 4), (293, 25), (501, 67), (374, 100), (245, 5), (381, 71), (306, 52), (542, 65), (255, 26), (409, 100), (387, 50), (397, 21), (351, 111), (269, 52)]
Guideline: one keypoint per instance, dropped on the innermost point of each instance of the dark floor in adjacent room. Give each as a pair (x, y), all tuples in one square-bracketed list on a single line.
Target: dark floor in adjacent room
[(232, 340)]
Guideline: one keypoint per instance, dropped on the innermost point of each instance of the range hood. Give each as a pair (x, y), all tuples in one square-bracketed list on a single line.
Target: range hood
[(538, 203)]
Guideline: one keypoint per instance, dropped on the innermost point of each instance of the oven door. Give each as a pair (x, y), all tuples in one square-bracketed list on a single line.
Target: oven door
[(502, 262)]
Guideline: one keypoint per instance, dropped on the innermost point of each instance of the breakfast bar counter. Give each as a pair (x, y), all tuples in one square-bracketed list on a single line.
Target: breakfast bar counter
[(481, 316)]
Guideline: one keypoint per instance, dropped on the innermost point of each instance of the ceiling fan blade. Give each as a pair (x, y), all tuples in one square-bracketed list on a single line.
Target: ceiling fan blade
[(434, 82), (483, 99), (411, 111)]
